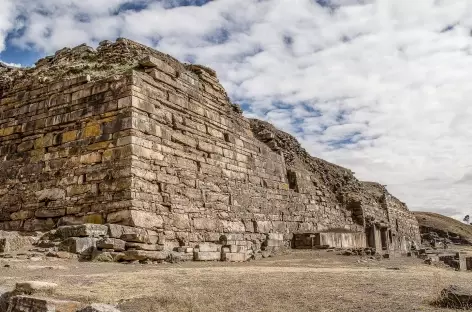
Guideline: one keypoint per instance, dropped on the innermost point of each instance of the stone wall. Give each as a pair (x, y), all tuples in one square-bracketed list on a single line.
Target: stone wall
[(157, 144), (205, 173), (58, 163)]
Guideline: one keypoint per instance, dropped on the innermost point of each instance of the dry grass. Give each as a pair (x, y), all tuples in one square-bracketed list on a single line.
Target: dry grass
[(444, 224), (301, 281)]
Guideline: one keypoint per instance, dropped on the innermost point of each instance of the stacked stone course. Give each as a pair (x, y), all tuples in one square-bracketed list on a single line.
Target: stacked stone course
[(127, 135)]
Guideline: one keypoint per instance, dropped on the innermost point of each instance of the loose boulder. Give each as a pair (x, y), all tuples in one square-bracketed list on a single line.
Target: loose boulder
[(31, 287), (27, 303), (456, 297)]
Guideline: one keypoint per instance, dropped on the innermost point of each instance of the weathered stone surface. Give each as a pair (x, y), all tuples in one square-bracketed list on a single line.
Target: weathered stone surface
[(99, 307), (209, 247), (61, 255), (27, 303), (136, 218), (131, 255), (32, 287), (5, 295), (275, 236), (175, 256), (16, 242), (82, 230), (236, 248), (111, 243), (116, 230), (142, 237), (457, 297), (79, 245), (51, 194), (139, 246), (106, 256), (235, 256), (207, 256)]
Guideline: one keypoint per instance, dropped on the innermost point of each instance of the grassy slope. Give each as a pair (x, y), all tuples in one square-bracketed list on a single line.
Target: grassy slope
[(445, 224)]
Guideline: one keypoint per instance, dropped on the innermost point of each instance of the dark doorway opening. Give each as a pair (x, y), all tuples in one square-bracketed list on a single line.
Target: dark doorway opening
[(370, 235), (383, 238)]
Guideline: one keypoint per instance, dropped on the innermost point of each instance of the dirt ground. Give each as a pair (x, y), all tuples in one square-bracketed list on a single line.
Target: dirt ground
[(299, 281)]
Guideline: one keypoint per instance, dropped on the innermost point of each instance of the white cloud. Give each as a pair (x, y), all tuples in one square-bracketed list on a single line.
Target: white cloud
[(381, 87), (7, 17), (11, 64)]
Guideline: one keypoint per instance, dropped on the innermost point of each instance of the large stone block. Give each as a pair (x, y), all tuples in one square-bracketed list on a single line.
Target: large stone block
[(111, 243), (206, 224), (82, 230), (209, 247), (457, 297), (275, 236), (138, 246), (153, 62), (5, 296), (16, 242), (27, 303), (237, 248), (136, 218), (79, 245), (50, 194), (263, 226), (235, 256), (32, 287), (141, 237), (132, 255), (233, 226), (207, 256)]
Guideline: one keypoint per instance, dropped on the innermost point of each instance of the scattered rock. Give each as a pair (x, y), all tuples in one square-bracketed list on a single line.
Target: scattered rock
[(107, 256), (61, 255), (140, 255), (4, 299), (32, 287), (456, 297), (27, 304)]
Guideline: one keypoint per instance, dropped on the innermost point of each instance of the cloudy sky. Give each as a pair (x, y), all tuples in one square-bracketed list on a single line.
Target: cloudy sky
[(379, 86)]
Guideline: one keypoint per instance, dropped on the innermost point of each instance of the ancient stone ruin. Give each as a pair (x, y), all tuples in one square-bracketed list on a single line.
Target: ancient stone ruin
[(124, 153)]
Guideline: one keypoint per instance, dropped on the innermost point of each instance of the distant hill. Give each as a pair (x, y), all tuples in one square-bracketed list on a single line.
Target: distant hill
[(444, 226)]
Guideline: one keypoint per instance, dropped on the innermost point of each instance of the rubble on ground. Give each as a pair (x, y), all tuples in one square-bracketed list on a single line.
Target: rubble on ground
[(36, 296), (121, 243)]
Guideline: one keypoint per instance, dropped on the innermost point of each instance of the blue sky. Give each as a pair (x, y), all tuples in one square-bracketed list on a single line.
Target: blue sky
[(379, 86)]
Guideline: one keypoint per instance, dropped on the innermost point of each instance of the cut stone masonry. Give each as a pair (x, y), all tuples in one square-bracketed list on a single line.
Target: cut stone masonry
[(127, 135)]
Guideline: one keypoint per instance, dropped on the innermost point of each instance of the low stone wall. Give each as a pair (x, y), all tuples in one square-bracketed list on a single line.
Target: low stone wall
[(120, 243)]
